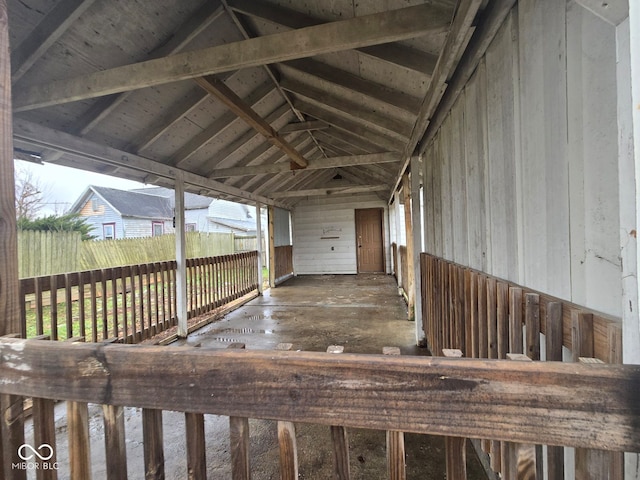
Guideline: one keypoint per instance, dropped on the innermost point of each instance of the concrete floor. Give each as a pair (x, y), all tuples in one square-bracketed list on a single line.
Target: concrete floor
[(361, 312)]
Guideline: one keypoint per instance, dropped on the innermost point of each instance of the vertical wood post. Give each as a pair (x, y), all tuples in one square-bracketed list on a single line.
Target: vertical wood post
[(410, 288), (181, 258), (114, 440), (398, 264), (79, 446), (416, 222), (11, 410), (44, 431), (196, 450), (239, 437), (455, 447), (288, 451), (553, 337), (259, 242), (272, 247), (340, 439), (153, 444), (9, 285), (395, 441)]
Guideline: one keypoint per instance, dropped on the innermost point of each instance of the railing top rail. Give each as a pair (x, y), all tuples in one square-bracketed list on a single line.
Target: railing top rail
[(591, 406)]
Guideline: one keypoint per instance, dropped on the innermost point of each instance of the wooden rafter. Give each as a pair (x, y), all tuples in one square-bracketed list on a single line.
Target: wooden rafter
[(45, 34), (398, 55), (304, 126), (223, 93), (331, 162), (357, 32)]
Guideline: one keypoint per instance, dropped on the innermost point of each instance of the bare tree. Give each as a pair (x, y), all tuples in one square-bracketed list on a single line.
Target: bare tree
[(29, 194)]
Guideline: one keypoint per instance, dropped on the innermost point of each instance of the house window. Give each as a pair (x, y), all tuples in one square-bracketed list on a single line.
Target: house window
[(108, 231), (94, 204), (157, 229), (190, 227)]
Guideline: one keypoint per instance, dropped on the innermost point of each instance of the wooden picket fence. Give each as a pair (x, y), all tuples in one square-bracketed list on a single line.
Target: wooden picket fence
[(133, 302), (489, 318)]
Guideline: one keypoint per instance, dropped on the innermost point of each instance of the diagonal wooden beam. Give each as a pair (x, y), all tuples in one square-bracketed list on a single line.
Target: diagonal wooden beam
[(398, 55), (303, 126), (234, 103), (45, 34), (384, 27), (331, 162), (313, 192)]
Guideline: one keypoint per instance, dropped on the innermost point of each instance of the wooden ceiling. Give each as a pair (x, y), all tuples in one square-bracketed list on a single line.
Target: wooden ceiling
[(252, 100)]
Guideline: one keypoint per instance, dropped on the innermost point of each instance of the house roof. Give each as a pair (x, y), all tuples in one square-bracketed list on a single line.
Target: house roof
[(242, 225), (253, 100), (129, 203), (192, 201)]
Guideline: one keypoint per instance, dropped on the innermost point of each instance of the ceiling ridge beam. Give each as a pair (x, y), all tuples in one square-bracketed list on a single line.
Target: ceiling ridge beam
[(330, 191), (234, 103), (384, 27), (45, 137), (303, 126), (330, 162)]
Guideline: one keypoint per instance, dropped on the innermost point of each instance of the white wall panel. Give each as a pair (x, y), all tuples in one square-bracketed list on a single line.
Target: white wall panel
[(320, 217)]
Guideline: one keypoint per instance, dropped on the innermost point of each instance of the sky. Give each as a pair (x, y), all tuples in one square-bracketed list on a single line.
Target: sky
[(63, 185)]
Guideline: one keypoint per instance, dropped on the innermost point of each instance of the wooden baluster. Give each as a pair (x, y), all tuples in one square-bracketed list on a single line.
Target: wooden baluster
[(288, 451), (502, 316), (522, 462), (532, 323), (93, 300), (81, 309), (12, 428), (515, 320), (114, 442), (114, 302), (68, 304), (340, 439), (455, 447), (141, 272), (196, 451), (492, 350), (395, 441), (22, 304), (78, 429), (44, 432), (53, 308), (38, 299), (240, 460), (553, 337), (153, 445)]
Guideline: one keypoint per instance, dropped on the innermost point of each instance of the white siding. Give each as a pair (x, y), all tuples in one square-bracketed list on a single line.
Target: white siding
[(521, 180), (137, 227), (331, 217), (282, 228)]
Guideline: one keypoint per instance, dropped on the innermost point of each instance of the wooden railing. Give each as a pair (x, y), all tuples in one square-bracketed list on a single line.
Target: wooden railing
[(486, 317), (130, 303), (553, 403), (403, 278), (283, 261)]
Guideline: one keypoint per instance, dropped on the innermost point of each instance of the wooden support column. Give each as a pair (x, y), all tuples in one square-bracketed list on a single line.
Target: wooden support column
[(416, 223), (259, 241), (396, 196), (410, 288), (181, 258), (272, 248), (9, 285)]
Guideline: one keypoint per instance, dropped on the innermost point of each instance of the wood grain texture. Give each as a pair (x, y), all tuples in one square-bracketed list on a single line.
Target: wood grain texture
[(196, 446), (362, 391), (44, 431), (9, 286), (79, 445), (288, 451), (340, 442), (12, 429), (115, 444), (153, 444), (240, 459)]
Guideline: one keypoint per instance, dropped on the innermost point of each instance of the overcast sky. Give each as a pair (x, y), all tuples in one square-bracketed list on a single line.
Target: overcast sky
[(63, 185)]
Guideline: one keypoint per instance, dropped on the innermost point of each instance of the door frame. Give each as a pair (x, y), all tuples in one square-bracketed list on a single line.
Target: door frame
[(384, 252)]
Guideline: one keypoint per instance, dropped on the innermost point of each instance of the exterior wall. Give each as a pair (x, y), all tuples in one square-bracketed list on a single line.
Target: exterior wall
[(282, 228), (331, 216), (198, 217), (102, 214), (521, 179), (142, 227)]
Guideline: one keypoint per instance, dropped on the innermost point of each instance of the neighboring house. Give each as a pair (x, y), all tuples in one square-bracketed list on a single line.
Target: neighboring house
[(206, 214), (124, 214), (148, 212)]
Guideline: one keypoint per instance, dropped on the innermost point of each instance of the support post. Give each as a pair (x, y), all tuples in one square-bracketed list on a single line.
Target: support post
[(416, 222), (396, 196), (9, 285), (181, 258), (410, 288), (259, 242), (272, 248)]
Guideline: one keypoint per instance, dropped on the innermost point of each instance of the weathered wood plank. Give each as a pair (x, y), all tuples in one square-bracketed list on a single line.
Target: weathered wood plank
[(288, 451), (12, 429), (240, 459), (455, 447), (532, 322), (553, 342), (114, 439), (79, 445), (464, 390), (340, 442), (44, 431), (196, 446), (153, 444)]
